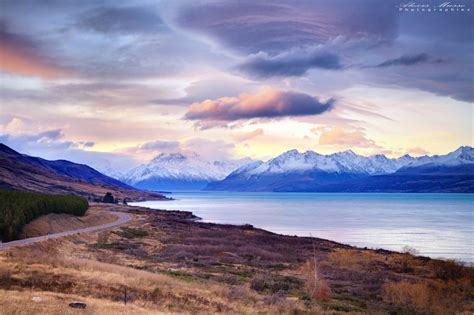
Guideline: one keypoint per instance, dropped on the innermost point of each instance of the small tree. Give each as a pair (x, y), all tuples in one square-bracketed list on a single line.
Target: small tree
[(108, 198)]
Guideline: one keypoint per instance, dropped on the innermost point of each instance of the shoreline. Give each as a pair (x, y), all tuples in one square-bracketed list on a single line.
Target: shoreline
[(189, 216), (465, 259)]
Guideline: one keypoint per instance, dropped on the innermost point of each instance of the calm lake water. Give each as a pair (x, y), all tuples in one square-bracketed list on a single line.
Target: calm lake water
[(437, 225)]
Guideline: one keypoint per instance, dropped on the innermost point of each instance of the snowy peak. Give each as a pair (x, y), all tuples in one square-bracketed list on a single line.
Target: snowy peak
[(349, 172), (349, 162), (190, 167), (164, 157), (294, 161), (183, 167), (463, 155), (342, 162)]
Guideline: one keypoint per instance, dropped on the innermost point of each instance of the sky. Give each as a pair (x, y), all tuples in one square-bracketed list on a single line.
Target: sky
[(114, 83)]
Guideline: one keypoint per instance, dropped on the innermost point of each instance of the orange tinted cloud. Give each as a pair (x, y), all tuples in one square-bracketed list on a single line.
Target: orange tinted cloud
[(19, 56), (417, 151), (249, 135), (341, 136), (267, 103)]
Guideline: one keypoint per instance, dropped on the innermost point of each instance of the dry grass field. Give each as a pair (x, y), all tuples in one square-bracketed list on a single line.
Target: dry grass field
[(166, 262)]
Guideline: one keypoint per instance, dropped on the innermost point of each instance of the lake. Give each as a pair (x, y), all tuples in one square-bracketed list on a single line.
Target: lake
[(436, 225)]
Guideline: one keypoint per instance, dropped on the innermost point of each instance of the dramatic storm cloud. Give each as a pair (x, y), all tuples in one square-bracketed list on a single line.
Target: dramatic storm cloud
[(126, 20), (405, 61), (267, 103), (101, 81), (293, 63), (251, 26), (19, 54)]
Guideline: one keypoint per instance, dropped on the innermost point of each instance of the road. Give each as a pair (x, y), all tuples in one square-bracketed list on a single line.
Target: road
[(122, 219)]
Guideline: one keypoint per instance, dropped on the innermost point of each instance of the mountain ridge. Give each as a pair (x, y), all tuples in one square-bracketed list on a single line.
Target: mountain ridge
[(347, 171), (180, 171), (27, 173)]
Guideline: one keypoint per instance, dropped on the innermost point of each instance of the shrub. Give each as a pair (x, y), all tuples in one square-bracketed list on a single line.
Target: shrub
[(316, 286), (450, 269), (269, 283), (261, 282), (407, 257), (129, 233), (5, 276), (434, 297), (103, 238), (108, 198), (236, 293), (344, 258)]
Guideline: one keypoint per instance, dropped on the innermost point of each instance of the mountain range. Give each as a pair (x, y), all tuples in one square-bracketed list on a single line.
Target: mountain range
[(291, 171), (22, 172), (178, 171), (349, 172)]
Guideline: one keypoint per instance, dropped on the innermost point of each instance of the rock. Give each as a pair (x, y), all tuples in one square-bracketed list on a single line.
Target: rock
[(81, 305), (36, 299)]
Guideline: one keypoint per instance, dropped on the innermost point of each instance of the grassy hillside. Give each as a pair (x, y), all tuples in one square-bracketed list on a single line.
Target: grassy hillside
[(18, 208)]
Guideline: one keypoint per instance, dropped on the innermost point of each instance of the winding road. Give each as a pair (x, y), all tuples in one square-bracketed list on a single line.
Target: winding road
[(122, 219)]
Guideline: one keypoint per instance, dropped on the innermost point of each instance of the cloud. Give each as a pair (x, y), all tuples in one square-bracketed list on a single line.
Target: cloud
[(249, 135), (275, 26), (417, 151), (216, 87), (124, 20), (292, 63), (46, 138), (31, 143), (159, 145), (343, 137), (21, 55), (406, 60), (212, 150), (51, 145), (49, 135), (90, 93), (268, 103), (88, 144)]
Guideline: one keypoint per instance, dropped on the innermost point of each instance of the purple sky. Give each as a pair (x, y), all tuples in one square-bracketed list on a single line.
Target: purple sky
[(113, 83)]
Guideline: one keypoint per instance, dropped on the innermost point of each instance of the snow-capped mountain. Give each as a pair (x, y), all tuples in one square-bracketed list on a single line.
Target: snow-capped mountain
[(342, 162), (310, 171), (180, 171), (463, 155)]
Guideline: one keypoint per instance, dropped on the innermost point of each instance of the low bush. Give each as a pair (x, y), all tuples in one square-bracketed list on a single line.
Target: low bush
[(450, 270), (19, 208), (270, 283), (316, 285), (430, 297), (129, 233)]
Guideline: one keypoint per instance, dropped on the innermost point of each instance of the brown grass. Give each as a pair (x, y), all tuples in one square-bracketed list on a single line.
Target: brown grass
[(434, 297), (54, 222), (40, 302), (167, 263), (96, 281)]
